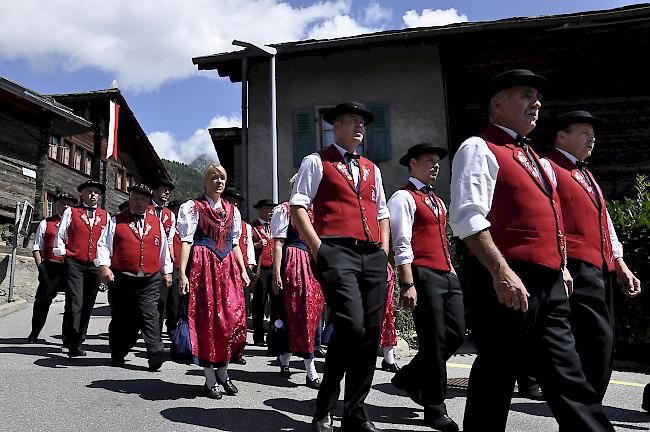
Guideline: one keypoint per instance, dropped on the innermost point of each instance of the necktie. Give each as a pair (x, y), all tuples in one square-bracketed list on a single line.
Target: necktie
[(159, 210), (428, 189), (91, 212), (582, 166), (524, 143), (139, 220), (349, 159)]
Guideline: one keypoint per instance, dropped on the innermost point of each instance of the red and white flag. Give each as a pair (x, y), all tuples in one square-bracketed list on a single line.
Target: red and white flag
[(114, 115)]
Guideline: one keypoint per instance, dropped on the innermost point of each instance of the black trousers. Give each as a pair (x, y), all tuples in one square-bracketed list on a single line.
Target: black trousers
[(439, 318), (168, 304), (353, 280), (134, 307), (261, 294), (50, 276), (592, 322), (507, 339), (81, 285)]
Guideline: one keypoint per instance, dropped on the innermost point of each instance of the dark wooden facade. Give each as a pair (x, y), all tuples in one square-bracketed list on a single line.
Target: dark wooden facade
[(51, 144)]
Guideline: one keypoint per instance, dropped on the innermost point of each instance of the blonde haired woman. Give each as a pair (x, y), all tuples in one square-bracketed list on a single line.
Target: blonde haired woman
[(212, 274)]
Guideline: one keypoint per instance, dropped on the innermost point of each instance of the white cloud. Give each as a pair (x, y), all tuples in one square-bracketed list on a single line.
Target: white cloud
[(375, 13), (145, 43), (186, 150), (433, 17)]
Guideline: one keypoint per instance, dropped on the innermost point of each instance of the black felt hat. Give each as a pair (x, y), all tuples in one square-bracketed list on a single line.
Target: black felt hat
[(516, 77), (142, 188), (123, 206), (420, 149), (332, 114), (91, 183), (64, 196), (265, 203), (233, 192), (574, 117), (162, 182)]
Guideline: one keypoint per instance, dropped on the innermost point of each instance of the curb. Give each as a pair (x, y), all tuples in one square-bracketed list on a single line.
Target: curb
[(16, 305)]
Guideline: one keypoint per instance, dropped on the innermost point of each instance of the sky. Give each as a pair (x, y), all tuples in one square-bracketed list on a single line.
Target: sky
[(64, 46)]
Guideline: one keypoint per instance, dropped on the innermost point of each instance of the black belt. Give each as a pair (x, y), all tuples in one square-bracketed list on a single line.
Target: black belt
[(362, 245)]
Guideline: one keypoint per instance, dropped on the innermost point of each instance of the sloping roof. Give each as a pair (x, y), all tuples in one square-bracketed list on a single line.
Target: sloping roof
[(115, 95), (73, 123), (229, 63)]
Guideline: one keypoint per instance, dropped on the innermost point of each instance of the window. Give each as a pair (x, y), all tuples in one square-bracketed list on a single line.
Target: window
[(87, 163), (78, 155), (55, 142), (130, 181), (67, 149), (48, 204), (119, 179)]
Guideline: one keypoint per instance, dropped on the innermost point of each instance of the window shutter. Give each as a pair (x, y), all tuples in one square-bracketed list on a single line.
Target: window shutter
[(378, 133), (304, 134)]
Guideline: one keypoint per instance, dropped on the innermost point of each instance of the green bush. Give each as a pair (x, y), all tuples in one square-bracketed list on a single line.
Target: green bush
[(631, 218)]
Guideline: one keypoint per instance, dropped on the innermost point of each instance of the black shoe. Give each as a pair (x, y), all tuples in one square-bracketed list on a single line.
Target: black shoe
[(228, 387), (646, 398), (239, 361), (319, 353), (284, 370), (212, 393), (157, 360), (400, 382), (31, 339), (534, 392), (444, 423), (387, 367), (76, 352), (313, 384), (324, 424), (367, 427), (117, 362), (259, 343)]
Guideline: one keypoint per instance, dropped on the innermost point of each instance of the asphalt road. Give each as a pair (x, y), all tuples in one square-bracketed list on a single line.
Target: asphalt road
[(42, 390)]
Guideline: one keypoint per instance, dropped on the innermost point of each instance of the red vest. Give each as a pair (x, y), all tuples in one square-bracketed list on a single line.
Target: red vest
[(526, 220), (82, 239), (132, 252), (341, 211), (265, 257), (585, 220), (243, 242), (429, 236), (177, 249), (165, 217), (51, 231)]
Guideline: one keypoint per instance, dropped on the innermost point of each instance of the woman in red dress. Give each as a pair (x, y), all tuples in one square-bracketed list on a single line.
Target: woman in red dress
[(300, 292), (212, 273)]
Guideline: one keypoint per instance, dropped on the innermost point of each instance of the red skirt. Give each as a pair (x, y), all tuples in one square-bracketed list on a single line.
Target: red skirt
[(388, 332), (303, 300), (216, 308)]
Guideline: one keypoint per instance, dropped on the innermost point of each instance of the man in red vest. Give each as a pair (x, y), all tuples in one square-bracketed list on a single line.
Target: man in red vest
[(506, 209), (428, 282), (169, 298), (50, 266), (594, 252), (348, 240), (263, 244), (134, 258), (79, 231)]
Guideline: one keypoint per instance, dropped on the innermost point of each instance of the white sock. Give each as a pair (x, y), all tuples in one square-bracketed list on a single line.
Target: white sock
[(222, 373), (389, 355), (210, 378), (284, 359), (310, 367)]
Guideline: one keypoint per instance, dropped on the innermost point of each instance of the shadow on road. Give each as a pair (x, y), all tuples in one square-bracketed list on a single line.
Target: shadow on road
[(256, 377), (149, 389), (234, 419), (613, 413)]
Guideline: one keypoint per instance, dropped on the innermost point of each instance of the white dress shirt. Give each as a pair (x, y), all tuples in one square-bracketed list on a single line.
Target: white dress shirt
[(39, 237), (188, 220), (402, 209), (250, 246), (62, 235), (105, 249), (172, 230), (617, 247), (280, 222), (310, 175)]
